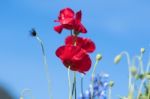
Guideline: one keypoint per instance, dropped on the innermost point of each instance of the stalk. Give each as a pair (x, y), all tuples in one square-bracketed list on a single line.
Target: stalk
[(44, 61)]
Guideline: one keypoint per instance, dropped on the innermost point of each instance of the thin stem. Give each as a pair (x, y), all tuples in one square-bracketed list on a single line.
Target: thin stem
[(73, 88), (82, 84), (46, 66), (148, 95), (93, 72), (69, 83), (141, 63), (142, 72), (71, 32), (140, 89), (109, 93), (136, 58), (75, 85), (129, 64), (148, 66), (95, 65), (131, 93)]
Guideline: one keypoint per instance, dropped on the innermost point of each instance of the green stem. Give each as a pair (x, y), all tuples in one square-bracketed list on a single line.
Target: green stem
[(148, 95), (75, 85), (109, 93), (141, 63), (148, 66), (93, 72), (142, 72), (129, 64), (46, 66), (73, 88), (140, 88), (82, 84), (69, 83), (95, 65)]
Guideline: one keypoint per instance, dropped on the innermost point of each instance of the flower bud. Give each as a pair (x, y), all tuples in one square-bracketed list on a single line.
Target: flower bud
[(142, 50), (141, 76), (111, 83), (117, 59), (133, 70), (147, 75), (33, 33), (98, 57)]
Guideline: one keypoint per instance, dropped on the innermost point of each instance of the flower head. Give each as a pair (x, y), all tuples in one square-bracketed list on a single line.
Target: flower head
[(142, 50), (99, 87), (117, 59), (33, 33), (74, 57), (69, 20)]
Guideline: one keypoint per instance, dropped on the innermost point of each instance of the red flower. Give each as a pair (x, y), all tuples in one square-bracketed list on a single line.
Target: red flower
[(69, 20), (84, 43), (74, 57)]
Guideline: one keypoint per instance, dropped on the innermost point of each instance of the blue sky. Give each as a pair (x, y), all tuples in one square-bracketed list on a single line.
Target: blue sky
[(114, 26)]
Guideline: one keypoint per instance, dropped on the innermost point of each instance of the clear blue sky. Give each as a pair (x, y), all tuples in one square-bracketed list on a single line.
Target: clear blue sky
[(114, 26)]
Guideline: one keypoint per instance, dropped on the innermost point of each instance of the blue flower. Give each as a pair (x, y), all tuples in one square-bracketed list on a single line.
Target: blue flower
[(97, 88)]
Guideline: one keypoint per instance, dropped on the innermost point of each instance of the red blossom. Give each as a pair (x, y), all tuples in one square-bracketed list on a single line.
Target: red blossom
[(69, 20), (74, 57), (85, 43)]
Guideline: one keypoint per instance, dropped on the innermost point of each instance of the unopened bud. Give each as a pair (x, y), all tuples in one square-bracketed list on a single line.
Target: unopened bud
[(117, 59), (98, 57), (143, 50), (133, 70), (147, 76), (111, 83)]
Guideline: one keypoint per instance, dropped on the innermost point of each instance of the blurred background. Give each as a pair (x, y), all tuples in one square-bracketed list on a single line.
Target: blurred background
[(114, 26)]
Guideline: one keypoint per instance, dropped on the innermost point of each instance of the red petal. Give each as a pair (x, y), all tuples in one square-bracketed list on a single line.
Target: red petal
[(70, 40), (79, 27), (85, 64), (58, 28), (66, 13), (85, 43), (83, 30), (59, 51), (73, 56), (67, 23), (78, 15), (88, 45)]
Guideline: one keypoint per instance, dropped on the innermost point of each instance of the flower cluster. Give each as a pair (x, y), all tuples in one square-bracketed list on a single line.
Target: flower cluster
[(100, 86), (74, 53)]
